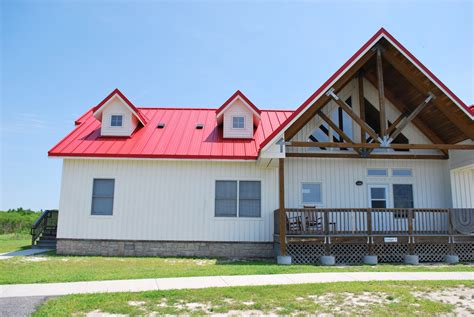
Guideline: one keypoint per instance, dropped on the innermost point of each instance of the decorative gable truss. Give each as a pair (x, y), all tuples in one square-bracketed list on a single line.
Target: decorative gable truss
[(118, 116), (403, 85), (238, 117)]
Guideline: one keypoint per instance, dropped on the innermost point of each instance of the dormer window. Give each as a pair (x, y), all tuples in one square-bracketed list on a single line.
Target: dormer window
[(116, 120), (238, 122)]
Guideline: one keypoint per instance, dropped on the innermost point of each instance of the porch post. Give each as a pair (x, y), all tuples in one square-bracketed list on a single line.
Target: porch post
[(282, 219)]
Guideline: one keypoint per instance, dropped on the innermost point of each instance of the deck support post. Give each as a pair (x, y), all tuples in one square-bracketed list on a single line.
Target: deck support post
[(281, 213)]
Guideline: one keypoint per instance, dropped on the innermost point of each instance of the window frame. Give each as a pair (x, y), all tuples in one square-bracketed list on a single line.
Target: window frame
[(93, 196), (387, 195), (237, 216), (243, 122), (121, 121), (402, 169), (377, 169), (303, 203)]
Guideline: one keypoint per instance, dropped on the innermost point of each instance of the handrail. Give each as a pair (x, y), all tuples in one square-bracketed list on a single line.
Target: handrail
[(371, 221), (48, 220)]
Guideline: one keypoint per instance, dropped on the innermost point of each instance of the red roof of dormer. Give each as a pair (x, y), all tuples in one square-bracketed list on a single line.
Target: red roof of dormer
[(132, 107)]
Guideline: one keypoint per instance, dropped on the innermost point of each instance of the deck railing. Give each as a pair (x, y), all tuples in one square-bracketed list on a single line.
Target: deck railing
[(368, 221)]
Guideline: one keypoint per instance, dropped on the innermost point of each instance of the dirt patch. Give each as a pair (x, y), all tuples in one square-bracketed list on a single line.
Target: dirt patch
[(350, 303), (34, 259), (461, 297)]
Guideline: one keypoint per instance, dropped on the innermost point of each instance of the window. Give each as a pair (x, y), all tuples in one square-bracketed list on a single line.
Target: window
[(311, 193), (401, 172), (241, 196), (238, 122), (226, 199), (249, 199), (116, 120), (325, 134), (103, 197), (378, 196), (377, 172)]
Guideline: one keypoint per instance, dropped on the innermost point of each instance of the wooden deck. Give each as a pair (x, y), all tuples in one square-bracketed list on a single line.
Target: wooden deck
[(389, 233)]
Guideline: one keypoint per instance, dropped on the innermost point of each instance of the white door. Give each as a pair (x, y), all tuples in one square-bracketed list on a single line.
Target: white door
[(378, 196)]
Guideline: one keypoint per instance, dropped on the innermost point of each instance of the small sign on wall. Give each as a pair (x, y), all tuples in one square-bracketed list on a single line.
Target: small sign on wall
[(390, 239)]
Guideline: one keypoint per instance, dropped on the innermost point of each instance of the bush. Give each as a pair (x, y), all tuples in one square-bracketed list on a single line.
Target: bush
[(17, 220)]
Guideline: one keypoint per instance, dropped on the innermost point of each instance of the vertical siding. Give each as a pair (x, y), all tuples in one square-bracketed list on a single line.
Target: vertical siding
[(129, 122), (338, 177), (238, 109), (462, 184), (162, 200)]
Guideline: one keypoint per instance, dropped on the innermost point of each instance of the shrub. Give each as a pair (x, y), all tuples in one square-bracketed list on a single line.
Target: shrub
[(17, 220)]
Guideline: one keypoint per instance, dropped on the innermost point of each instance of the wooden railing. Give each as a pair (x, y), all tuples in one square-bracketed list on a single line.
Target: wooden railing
[(367, 222)]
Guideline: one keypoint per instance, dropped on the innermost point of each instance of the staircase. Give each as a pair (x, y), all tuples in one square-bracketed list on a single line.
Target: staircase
[(43, 230)]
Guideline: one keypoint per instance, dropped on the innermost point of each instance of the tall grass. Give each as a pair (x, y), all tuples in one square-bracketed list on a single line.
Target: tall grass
[(17, 221)]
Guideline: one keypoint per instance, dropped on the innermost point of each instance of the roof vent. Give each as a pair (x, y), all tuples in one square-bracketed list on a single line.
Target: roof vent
[(199, 126), (160, 125)]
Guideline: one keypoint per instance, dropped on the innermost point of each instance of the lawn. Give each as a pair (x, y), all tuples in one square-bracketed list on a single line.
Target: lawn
[(14, 241), (426, 298), (52, 268)]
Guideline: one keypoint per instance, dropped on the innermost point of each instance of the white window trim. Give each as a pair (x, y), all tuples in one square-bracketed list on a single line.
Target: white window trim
[(238, 116), (388, 196), (318, 204), (123, 121), (402, 168), (100, 216), (237, 217), (379, 169)]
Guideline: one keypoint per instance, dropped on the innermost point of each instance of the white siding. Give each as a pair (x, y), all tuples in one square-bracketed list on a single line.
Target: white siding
[(431, 186), (115, 107), (237, 108), (162, 200), (462, 184)]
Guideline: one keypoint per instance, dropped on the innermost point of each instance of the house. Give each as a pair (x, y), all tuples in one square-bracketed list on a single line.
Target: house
[(379, 161)]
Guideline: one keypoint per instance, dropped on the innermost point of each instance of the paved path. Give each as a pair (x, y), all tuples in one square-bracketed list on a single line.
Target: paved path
[(56, 289), (20, 306), (4, 256)]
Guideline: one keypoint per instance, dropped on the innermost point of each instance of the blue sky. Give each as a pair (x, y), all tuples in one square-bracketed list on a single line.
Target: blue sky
[(59, 58)]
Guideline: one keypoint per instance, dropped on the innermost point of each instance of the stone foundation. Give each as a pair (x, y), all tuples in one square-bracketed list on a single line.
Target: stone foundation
[(165, 248)]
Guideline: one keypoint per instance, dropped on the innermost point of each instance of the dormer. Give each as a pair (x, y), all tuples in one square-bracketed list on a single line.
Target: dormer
[(238, 116), (118, 116)]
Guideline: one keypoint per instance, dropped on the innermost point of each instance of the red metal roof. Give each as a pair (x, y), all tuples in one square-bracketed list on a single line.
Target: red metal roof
[(178, 139)]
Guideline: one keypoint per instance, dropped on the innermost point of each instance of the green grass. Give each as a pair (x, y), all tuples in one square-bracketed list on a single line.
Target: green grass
[(394, 299), (14, 242), (52, 268)]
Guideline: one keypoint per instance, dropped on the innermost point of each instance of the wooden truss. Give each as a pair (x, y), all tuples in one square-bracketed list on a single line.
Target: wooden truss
[(385, 139)]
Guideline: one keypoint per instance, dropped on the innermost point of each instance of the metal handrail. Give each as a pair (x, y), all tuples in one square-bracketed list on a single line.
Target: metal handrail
[(47, 220)]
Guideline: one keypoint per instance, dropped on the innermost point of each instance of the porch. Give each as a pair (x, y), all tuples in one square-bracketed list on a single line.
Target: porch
[(350, 234)]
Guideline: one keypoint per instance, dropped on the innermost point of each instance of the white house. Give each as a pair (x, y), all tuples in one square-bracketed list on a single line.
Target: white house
[(375, 160)]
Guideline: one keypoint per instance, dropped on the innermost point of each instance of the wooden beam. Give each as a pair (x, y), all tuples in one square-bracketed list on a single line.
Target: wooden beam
[(282, 211), (383, 117), (394, 124), (419, 124), (412, 116), (361, 103), (335, 127), (462, 122), (394, 146), (323, 99), (353, 115), (371, 156)]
